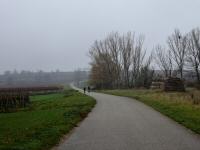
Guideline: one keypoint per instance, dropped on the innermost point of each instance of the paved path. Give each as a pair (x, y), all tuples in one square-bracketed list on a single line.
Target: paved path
[(119, 123)]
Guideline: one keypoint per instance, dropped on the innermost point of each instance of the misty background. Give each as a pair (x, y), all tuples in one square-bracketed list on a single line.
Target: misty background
[(56, 34)]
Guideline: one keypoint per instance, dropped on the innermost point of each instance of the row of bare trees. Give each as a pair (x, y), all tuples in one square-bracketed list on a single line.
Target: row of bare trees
[(120, 61), (182, 53)]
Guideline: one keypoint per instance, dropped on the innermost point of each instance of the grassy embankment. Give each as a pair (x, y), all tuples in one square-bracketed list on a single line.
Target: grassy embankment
[(42, 124), (176, 105)]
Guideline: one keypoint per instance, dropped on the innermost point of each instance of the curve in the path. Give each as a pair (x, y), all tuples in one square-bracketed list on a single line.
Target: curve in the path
[(119, 123)]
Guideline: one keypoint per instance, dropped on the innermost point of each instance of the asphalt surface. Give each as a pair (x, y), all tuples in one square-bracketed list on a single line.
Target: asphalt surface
[(119, 123)]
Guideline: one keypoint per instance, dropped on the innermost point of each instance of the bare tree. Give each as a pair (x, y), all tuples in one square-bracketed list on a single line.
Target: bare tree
[(163, 59), (137, 59), (194, 51), (102, 59), (113, 44), (126, 47), (177, 45)]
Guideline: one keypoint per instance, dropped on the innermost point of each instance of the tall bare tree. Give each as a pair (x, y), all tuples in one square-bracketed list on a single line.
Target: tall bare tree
[(137, 59), (113, 44), (163, 59), (102, 60), (126, 47), (178, 45), (194, 51)]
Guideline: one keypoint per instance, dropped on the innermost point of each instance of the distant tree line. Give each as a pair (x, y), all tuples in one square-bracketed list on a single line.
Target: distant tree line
[(40, 78), (121, 61)]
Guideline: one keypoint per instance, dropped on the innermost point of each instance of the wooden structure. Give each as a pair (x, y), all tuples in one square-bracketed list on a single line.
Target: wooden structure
[(156, 85), (174, 84)]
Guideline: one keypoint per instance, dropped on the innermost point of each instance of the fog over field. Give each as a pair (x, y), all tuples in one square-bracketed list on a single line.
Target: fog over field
[(56, 34)]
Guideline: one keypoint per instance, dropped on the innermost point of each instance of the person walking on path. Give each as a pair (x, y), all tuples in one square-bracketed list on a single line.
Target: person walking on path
[(84, 89), (88, 89)]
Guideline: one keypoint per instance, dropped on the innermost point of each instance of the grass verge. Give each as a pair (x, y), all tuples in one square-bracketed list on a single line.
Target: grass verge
[(42, 124), (175, 105)]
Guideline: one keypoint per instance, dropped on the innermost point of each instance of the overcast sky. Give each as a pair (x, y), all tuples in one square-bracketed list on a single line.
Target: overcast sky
[(56, 34)]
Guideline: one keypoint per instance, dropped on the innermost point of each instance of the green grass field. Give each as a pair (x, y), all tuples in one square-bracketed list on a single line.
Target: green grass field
[(42, 124), (178, 106)]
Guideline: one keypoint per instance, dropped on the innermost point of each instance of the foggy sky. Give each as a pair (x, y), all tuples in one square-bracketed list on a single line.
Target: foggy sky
[(56, 34)]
